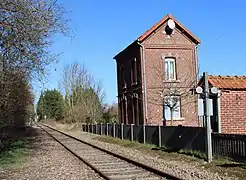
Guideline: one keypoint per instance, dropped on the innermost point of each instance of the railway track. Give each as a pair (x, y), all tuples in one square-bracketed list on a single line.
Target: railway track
[(107, 164)]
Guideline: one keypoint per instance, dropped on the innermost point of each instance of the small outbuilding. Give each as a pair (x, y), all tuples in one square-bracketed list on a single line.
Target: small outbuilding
[(229, 105)]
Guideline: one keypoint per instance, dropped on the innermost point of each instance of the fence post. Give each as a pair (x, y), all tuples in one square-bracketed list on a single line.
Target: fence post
[(143, 133), (122, 131), (159, 134), (96, 129), (132, 132), (101, 129), (107, 129), (88, 129), (114, 130), (92, 128)]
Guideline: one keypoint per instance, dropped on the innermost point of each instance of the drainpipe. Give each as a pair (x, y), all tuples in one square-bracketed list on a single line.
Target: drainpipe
[(196, 62), (197, 78), (144, 79), (218, 111)]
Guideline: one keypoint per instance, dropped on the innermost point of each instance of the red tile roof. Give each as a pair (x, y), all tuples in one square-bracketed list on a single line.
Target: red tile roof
[(228, 82), (157, 25)]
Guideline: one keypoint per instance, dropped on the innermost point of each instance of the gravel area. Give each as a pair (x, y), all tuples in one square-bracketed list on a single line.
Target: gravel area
[(48, 160), (109, 165), (185, 170)]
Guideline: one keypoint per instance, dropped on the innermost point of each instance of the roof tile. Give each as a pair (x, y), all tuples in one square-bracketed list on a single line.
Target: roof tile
[(228, 82)]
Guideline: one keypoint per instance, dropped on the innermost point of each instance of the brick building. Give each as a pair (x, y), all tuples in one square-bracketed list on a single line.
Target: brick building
[(160, 61), (229, 106)]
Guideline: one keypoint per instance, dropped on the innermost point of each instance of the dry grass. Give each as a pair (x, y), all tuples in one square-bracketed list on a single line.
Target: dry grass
[(148, 148)]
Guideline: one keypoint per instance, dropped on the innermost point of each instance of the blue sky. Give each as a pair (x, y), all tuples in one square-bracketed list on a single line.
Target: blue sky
[(103, 28)]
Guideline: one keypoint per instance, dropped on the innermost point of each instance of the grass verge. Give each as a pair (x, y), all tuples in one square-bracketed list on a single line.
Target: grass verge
[(148, 148), (12, 154)]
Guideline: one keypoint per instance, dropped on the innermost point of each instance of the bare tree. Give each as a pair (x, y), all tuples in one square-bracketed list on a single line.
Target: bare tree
[(83, 95), (110, 113), (17, 98), (26, 28)]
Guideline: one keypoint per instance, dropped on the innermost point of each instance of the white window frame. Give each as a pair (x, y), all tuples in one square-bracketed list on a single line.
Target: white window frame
[(167, 62), (177, 115)]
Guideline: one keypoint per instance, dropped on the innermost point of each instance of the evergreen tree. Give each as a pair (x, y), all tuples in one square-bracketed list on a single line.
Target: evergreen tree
[(51, 104)]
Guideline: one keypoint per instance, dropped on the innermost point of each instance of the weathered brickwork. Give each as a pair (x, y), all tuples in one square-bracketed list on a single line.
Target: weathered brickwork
[(233, 112)]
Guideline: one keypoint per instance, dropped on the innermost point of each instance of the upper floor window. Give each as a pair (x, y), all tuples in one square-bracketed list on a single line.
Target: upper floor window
[(134, 71), (170, 69)]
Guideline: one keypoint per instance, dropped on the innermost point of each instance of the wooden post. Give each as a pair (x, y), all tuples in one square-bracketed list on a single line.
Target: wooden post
[(114, 130), (107, 129), (96, 129), (159, 134), (88, 128), (122, 131), (92, 128), (101, 129), (144, 133), (132, 132)]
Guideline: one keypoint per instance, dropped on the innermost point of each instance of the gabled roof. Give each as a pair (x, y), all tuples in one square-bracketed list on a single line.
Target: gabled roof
[(161, 22), (227, 82)]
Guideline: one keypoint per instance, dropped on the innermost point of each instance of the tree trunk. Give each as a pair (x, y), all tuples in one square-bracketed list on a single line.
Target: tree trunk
[(171, 116)]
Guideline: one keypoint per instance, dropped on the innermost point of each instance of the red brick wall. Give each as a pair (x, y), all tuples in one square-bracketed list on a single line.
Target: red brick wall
[(124, 60), (233, 112), (157, 47)]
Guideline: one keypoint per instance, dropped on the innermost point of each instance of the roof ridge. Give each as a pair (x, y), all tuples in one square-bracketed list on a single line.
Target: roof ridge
[(227, 76), (156, 25)]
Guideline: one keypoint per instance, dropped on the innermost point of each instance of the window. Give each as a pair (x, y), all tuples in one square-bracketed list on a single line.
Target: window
[(134, 71), (172, 102), (170, 71), (123, 78)]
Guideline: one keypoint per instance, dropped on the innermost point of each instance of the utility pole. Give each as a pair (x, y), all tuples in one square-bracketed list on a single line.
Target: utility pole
[(208, 139)]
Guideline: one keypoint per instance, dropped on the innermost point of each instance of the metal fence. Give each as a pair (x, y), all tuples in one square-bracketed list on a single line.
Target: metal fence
[(172, 138), (175, 138), (230, 145)]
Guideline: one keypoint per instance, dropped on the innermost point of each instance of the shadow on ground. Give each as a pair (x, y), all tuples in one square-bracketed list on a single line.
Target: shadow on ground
[(10, 134), (180, 151), (231, 165)]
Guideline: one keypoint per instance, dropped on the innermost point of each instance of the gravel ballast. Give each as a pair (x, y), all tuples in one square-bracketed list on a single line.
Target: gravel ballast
[(185, 170), (48, 160)]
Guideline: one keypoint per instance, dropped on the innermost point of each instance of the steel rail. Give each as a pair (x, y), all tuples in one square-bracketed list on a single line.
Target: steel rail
[(143, 166)]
